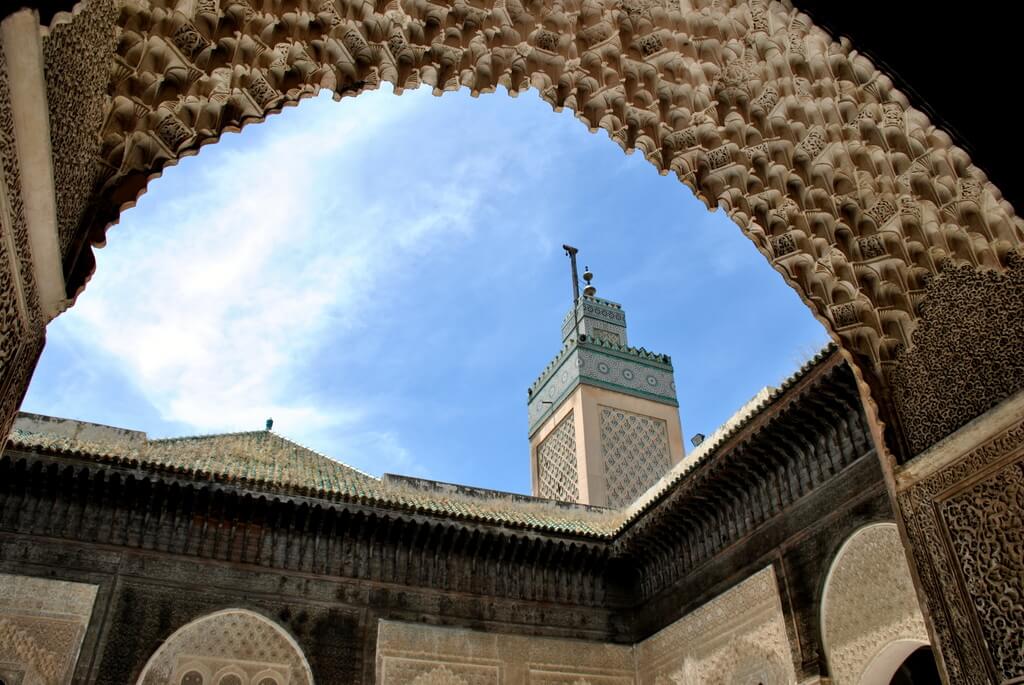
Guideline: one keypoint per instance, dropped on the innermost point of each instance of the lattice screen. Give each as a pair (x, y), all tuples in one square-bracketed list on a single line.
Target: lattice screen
[(557, 473), (636, 453)]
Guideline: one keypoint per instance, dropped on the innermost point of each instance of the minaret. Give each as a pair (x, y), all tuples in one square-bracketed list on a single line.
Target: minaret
[(603, 416)]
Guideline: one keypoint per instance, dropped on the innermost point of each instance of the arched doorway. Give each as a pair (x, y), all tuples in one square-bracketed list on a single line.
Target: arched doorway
[(870, 618), (229, 647), (902, 662), (917, 669)]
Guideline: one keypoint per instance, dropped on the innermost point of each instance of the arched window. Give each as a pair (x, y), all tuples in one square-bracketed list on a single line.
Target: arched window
[(267, 681), (192, 678), (229, 636)]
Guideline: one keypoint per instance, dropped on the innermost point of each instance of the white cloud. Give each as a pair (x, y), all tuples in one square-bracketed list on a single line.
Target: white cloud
[(211, 298)]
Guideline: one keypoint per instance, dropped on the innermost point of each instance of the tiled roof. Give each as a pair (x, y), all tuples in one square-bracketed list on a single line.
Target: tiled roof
[(263, 460)]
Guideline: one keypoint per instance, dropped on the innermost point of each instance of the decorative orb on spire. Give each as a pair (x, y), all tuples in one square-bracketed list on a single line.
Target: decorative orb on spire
[(589, 290)]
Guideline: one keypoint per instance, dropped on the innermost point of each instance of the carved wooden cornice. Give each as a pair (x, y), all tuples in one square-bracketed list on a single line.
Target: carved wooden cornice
[(807, 436)]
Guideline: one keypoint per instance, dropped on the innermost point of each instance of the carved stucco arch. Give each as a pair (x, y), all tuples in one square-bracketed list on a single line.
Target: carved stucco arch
[(232, 640), (848, 190), (869, 605)]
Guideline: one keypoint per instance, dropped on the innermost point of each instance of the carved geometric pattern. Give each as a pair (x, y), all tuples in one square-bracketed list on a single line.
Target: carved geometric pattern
[(868, 602), (557, 471), (400, 671), (234, 641), (607, 336), (441, 675), (77, 65), (42, 624), (21, 327), (420, 654), (986, 550), (636, 453), (737, 637), (539, 677), (967, 351), (14, 226), (639, 70), (986, 526)]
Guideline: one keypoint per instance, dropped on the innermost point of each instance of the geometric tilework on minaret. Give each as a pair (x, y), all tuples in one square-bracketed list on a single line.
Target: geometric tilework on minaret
[(603, 416)]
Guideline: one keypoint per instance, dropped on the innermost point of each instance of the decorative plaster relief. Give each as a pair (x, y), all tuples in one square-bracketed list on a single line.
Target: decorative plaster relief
[(236, 640), (21, 327), (967, 351), (977, 589), (426, 672), (42, 625), (986, 527), (636, 453), (557, 470), (868, 602), (77, 67), (846, 188), (738, 637), (428, 655), (626, 374)]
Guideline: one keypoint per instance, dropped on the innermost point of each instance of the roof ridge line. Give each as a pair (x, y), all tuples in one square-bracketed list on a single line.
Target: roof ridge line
[(321, 454)]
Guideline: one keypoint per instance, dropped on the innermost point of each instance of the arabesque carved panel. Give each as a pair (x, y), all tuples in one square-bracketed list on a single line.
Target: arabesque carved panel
[(976, 589), (739, 636), (42, 625), (986, 526), (966, 356), (430, 655)]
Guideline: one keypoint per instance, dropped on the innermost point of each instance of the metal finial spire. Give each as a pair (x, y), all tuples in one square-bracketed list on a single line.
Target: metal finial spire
[(589, 290), (571, 252)]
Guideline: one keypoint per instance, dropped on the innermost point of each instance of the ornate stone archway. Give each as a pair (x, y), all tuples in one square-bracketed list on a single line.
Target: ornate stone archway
[(868, 603), (232, 642), (853, 195), (893, 238)]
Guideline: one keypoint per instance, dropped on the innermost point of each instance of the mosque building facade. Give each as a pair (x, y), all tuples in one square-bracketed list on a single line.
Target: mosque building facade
[(247, 559)]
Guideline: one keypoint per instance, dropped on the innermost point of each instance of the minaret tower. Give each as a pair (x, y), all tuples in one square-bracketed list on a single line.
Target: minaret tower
[(603, 416)]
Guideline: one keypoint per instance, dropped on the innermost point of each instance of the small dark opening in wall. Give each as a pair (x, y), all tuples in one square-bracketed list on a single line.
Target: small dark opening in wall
[(918, 669)]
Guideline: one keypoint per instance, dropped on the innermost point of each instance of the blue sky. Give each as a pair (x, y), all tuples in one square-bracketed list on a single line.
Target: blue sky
[(384, 277)]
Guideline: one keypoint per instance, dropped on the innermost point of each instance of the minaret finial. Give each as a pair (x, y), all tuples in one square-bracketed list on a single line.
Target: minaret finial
[(571, 252), (588, 290)]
